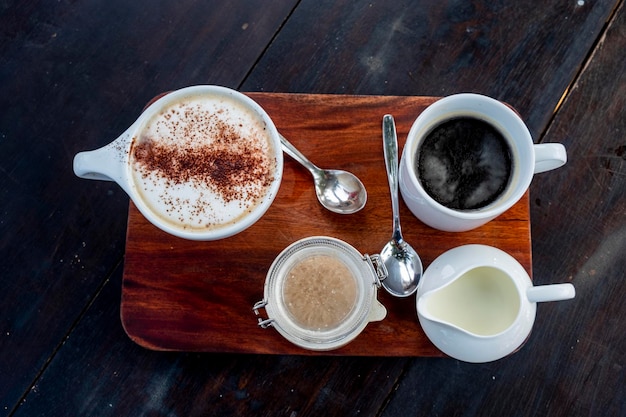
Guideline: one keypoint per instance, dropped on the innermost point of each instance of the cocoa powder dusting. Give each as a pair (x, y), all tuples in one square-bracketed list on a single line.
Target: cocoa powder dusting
[(227, 173), (212, 154)]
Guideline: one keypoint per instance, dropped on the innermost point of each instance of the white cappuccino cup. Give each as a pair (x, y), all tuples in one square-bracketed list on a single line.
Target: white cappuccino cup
[(200, 163)]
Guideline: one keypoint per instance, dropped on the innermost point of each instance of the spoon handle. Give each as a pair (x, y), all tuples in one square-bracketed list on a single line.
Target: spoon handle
[(390, 149), (293, 152)]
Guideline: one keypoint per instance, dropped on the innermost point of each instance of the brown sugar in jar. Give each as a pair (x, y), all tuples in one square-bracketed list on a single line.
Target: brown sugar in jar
[(319, 292)]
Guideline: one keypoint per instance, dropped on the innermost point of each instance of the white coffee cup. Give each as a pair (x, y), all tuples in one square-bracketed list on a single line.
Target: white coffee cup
[(527, 159), (201, 163)]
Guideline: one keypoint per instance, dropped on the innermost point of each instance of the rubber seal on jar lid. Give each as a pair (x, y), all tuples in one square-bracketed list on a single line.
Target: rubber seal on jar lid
[(319, 292)]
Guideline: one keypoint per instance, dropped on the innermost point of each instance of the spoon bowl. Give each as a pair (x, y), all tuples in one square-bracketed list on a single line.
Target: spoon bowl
[(339, 191), (404, 267)]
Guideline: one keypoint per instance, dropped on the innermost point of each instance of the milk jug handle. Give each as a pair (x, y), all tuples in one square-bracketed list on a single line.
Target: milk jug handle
[(549, 156), (553, 292)]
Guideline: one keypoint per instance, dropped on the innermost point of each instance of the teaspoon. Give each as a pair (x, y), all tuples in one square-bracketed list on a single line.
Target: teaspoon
[(339, 191), (404, 266)]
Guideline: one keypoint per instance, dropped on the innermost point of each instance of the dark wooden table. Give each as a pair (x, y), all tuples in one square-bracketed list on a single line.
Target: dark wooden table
[(74, 75)]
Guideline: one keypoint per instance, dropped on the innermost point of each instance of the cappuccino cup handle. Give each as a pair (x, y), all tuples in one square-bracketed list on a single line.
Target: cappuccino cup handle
[(553, 292), (107, 163), (549, 156)]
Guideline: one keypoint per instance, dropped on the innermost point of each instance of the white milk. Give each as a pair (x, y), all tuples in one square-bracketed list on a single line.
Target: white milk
[(483, 301), (203, 163)]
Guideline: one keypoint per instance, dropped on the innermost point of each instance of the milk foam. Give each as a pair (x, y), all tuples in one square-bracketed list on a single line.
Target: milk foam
[(203, 162)]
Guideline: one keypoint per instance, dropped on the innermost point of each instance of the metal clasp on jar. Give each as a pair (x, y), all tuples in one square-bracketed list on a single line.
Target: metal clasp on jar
[(263, 323), (378, 266)]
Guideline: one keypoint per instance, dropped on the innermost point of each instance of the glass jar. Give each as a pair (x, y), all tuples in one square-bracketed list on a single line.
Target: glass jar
[(320, 293)]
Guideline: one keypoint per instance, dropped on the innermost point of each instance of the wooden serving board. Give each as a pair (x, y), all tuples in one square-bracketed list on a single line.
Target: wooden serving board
[(197, 296)]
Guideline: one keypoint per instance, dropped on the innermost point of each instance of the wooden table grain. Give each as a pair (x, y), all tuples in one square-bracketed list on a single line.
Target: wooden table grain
[(75, 75)]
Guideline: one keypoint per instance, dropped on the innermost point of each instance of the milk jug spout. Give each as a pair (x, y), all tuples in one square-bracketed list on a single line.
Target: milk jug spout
[(427, 309)]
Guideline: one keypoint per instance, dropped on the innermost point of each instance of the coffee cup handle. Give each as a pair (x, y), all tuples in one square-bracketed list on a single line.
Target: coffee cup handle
[(553, 292), (549, 156), (106, 163)]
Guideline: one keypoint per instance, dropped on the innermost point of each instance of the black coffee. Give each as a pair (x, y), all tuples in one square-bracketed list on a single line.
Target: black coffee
[(464, 163)]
